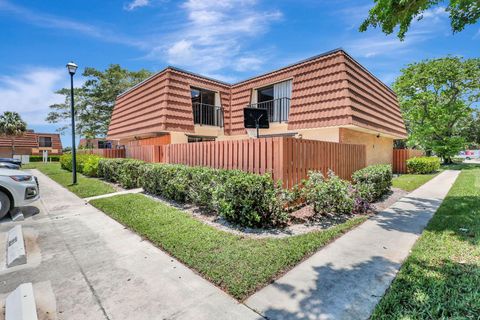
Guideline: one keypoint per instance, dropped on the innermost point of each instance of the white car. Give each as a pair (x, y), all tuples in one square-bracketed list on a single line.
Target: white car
[(17, 189)]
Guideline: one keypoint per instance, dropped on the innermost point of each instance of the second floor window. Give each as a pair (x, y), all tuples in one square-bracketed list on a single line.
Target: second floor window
[(205, 112), (45, 142), (203, 96)]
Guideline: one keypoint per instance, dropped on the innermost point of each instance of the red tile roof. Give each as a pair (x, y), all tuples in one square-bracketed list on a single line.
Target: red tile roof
[(331, 89)]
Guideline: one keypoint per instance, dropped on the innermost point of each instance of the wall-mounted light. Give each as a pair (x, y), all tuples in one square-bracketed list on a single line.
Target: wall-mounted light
[(378, 135)]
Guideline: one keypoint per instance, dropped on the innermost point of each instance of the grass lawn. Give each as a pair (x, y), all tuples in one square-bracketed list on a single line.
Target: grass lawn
[(238, 264), (441, 278), (410, 182), (85, 187)]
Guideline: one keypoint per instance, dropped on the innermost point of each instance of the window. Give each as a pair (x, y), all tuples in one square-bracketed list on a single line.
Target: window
[(102, 144), (192, 139), (204, 110), (203, 96), (45, 142), (265, 94)]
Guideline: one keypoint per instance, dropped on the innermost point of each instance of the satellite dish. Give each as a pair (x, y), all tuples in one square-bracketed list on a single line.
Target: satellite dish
[(255, 118)]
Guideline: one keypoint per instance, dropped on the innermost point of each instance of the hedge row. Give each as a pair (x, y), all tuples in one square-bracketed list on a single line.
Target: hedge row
[(423, 165), (243, 198), (86, 163), (247, 199), (40, 158)]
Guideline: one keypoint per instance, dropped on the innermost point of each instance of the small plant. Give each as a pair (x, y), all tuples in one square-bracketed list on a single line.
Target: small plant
[(373, 181), (250, 200), (331, 195), (423, 165)]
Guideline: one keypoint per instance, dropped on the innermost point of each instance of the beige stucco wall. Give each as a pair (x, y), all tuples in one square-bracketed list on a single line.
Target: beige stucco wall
[(205, 131), (379, 149)]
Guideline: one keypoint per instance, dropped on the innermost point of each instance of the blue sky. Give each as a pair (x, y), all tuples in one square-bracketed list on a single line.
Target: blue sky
[(229, 40)]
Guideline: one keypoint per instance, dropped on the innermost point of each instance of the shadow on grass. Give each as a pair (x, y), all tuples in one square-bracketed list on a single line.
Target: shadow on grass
[(433, 289)]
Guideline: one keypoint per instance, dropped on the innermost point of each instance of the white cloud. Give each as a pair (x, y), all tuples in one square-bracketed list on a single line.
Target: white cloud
[(31, 92), (55, 22), (215, 35), (136, 4)]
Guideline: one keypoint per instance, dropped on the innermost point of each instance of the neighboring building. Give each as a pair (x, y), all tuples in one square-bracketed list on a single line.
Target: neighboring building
[(31, 143), (329, 97), (98, 143)]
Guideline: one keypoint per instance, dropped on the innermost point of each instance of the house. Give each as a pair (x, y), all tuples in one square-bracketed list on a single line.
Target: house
[(329, 97), (97, 143), (31, 143)]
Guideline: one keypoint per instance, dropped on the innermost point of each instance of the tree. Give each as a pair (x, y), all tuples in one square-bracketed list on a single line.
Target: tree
[(388, 14), (436, 98), (472, 130), (12, 125), (95, 99)]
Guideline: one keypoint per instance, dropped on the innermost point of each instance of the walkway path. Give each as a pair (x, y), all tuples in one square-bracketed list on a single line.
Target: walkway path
[(346, 279), (84, 265)]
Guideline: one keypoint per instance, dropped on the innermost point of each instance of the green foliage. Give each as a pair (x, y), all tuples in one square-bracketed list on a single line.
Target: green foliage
[(423, 165), (250, 200), (40, 158), (86, 163), (373, 181), (331, 195), (436, 98), (109, 169), (94, 101), (388, 14), (244, 198), (458, 160)]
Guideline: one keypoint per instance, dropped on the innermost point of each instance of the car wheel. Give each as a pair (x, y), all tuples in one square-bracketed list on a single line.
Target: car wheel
[(468, 158), (4, 204)]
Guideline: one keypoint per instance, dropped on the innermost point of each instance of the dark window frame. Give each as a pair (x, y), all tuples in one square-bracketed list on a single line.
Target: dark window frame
[(42, 144)]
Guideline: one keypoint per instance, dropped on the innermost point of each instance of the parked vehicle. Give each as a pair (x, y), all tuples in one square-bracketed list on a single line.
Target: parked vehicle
[(8, 165), (469, 154), (17, 189), (18, 162)]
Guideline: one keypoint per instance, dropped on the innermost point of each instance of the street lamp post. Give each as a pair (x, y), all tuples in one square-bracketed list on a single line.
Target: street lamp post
[(72, 67)]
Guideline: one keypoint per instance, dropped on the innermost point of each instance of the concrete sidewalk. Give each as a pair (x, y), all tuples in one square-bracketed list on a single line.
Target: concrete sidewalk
[(84, 265), (346, 279)]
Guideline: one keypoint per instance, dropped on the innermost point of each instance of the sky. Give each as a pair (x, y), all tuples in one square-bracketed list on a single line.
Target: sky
[(229, 40)]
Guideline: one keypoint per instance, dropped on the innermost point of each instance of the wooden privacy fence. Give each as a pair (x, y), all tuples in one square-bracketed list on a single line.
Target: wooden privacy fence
[(106, 153), (288, 159), (148, 153), (400, 157)]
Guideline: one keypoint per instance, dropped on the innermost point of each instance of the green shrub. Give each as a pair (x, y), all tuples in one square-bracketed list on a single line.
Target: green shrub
[(250, 200), (131, 173), (90, 165), (423, 165), (167, 180), (40, 158), (66, 161), (109, 169), (373, 181), (331, 195)]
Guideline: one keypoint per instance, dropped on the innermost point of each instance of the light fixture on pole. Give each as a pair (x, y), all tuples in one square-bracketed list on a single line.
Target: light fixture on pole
[(72, 68)]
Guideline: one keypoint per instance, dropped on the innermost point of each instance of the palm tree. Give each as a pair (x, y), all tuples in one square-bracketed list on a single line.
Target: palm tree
[(12, 125)]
